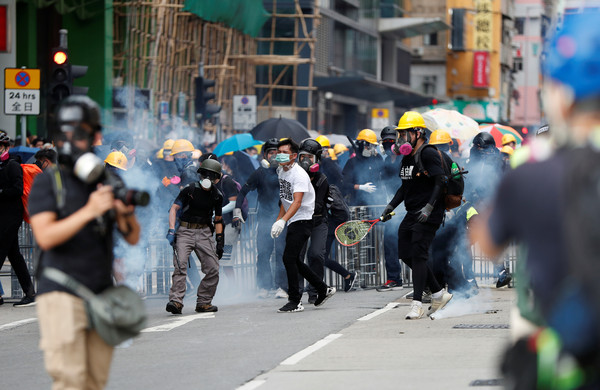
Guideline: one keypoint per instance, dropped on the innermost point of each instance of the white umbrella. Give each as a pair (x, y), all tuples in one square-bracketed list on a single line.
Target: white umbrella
[(458, 125)]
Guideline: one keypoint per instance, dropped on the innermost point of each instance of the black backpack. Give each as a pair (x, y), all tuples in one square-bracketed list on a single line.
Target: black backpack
[(336, 204), (455, 186)]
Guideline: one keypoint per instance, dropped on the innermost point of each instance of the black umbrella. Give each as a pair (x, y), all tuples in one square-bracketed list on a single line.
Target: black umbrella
[(280, 128)]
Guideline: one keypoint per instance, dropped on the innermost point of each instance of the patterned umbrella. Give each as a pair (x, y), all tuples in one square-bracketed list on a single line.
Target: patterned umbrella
[(458, 125), (497, 131)]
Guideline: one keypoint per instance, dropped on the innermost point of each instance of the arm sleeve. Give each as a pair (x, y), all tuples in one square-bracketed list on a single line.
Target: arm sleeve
[(348, 177), (437, 188), (14, 190), (250, 185), (321, 194), (42, 197), (432, 162), (219, 205), (398, 197)]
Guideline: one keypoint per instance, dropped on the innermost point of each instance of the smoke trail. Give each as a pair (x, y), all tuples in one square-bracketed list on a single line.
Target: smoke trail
[(461, 306)]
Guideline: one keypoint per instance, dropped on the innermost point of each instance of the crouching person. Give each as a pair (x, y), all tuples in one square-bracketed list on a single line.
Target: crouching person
[(197, 202)]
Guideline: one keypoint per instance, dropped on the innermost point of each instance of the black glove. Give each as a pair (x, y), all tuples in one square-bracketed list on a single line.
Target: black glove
[(385, 216), (425, 213), (171, 237), (220, 238)]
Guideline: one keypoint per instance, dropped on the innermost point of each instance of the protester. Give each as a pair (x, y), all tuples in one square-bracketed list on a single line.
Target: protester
[(72, 222), (297, 198), (342, 154), (328, 165), (182, 156), (198, 202), (509, 140), (421, 191), (45, 158)]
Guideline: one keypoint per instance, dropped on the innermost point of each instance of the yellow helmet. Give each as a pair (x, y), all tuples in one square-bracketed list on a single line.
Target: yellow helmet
[(117, 160), (508, 138), (168, 144), (439, 137), (160, 153), (180, 146), (332, 154), (339, 148), (411, 119), (196, 154), (508, 150), (324, 141), (367, 135)]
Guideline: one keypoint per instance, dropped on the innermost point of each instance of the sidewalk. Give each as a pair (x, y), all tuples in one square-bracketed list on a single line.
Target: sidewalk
[(384, 351)]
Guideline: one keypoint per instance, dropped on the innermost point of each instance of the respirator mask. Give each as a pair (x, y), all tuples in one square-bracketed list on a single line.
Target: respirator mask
[(208, 178), (269, 162), (182, 162), (308, 162), (367, 150), (404, 146), (4, 155)]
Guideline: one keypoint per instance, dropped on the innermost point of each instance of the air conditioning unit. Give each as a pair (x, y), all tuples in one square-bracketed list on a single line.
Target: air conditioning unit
[(418, 51)]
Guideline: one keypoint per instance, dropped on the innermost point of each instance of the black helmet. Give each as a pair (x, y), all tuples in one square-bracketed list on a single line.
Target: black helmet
[(484, 140), (210, 165), (78, 109), (311, 146), (270, 145), (388, 132), (4, 139)]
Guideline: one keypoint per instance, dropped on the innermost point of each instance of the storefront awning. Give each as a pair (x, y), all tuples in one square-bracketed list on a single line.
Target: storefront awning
[(373, 91), (400, 28)]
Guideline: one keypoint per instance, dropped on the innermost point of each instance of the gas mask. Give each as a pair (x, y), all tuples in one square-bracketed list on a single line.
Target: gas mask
[(404, 145), (4, 156), (181, 163), (386, 147), (306, 162), (208, 178), (269, 162), (366, 149)]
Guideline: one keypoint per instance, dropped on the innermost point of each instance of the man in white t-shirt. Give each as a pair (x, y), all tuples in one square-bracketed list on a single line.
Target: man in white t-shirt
[(297, 198)]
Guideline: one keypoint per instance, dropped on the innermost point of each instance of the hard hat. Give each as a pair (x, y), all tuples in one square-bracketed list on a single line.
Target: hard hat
[(168, 144), (367, 135), (388, 132), (211, 165), (484, 140), (324, 141), (508, 150), (160, 154), (311, 146), (117, 160), (440, 137), (508, 138), (339, 148), (572, 54), (181, 145), (196, 154), (411, 120), (332, 154)]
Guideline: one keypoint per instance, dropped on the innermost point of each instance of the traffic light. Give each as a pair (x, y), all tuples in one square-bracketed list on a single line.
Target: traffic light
[(203, 96), (62, 75)]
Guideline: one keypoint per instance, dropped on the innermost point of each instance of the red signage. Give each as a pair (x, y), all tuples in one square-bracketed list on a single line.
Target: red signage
[(3, 28), (481, 69)]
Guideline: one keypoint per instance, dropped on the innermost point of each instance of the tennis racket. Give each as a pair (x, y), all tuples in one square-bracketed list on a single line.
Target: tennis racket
[(352, 232)]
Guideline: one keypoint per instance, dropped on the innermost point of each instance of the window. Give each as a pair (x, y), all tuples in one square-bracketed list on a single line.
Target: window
[(430, 39), (517, 64), (520, 26), (428, 85)]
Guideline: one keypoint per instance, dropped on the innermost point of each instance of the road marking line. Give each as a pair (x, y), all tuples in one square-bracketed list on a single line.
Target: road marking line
[(12, 325), (177, 323), (387, 307), (253, 384), (295, 358)]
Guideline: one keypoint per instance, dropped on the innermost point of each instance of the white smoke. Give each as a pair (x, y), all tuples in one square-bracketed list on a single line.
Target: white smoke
[(461, 306)]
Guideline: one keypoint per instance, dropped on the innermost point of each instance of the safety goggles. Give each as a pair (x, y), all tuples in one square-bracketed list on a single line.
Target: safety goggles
[(210, 175)]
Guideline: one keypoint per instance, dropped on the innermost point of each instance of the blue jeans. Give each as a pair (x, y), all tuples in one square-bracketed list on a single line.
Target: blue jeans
[(266, 270)]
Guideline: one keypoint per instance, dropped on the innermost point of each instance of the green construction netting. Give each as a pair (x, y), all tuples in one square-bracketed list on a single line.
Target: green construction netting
[(247, 16), (84, 9)]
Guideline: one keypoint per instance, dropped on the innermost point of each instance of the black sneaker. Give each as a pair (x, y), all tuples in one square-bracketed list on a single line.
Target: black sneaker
[(325, 295), (206, 308), (174, 307), (349, 283), (291, 307), (503, 279), (390, 285), (1, 301), (26, 301), (312, 299)]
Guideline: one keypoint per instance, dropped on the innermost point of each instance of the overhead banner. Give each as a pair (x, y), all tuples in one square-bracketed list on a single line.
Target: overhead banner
[(483, 25), (481, 69)]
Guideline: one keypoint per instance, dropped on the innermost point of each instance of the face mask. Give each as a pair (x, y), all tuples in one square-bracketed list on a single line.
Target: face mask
[(206, 184), (405, 149), (282, 158), (264, 163), (254, 156), (4, 156), (181, 163)]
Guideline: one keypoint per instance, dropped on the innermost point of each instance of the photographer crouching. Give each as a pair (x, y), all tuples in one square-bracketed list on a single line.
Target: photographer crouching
[(72, 218)]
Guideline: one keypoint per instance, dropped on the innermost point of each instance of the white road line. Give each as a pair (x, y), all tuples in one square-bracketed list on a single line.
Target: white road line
[(295, 358), (12, 325), (177, 322), (387, 307), (253, 384)]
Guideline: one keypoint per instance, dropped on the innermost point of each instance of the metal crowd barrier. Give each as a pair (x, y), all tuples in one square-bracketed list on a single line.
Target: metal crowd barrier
[(367, 257)]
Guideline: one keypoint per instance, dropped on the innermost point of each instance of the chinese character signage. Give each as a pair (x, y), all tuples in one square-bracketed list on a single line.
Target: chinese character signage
[(481, 69), (483, 25)]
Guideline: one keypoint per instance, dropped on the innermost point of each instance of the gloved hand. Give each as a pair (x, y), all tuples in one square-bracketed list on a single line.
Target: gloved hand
[(220, 238), (386, 216), (425, 213), (171, 237), (237, 218), (277, 228), (175, 180), (368, 187)]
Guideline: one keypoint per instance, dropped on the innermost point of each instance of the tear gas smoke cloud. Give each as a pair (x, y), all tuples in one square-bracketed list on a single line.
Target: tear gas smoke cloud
[(462, 306)]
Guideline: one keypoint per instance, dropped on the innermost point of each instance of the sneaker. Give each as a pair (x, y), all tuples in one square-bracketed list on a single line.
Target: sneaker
[(416, 311), (390, 285), (174, 307), (312, 299), (291, 307), (280, 293), (438, 303), (263, 293), (425, 298), (349, 283), (503, 279), (1, 301), (206, 308), (322, 297), (26, 301)]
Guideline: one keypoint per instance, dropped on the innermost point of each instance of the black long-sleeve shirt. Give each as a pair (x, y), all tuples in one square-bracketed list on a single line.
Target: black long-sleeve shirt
[(321, 186), (11, 188), (266, 183)]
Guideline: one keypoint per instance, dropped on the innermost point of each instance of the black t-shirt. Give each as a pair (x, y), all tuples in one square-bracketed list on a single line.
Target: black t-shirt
[(198, 204), (528, 208), (266, 183), (418, 187), (88, 255)]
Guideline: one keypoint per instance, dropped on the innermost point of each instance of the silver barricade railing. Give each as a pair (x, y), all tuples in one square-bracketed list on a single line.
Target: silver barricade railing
[(30, 252)]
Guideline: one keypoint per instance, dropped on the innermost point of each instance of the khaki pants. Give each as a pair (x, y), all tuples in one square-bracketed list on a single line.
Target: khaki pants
[(74, 356)]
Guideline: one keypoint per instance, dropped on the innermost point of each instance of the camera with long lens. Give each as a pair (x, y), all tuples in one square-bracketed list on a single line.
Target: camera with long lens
[(90, 169)]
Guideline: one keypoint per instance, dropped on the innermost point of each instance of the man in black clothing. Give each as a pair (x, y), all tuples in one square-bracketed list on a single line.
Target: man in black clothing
[(265, 181), (11, 215), (421, 192)]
